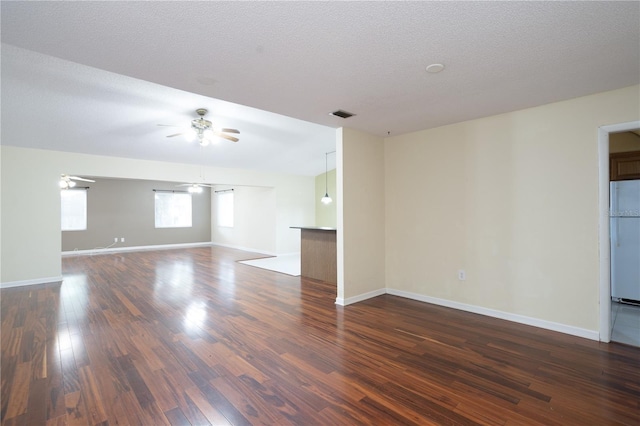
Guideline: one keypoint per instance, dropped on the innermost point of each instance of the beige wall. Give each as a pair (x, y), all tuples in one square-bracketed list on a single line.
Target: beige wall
[(31, 235), (624, 142), (513, 200), (362, 221), (30, 217), (326, 213)]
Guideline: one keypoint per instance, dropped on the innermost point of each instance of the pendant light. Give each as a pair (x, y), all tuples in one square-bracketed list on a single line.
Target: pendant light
[(326, 199)]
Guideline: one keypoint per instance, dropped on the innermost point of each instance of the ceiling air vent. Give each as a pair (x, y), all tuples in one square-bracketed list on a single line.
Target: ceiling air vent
[(342, 114)]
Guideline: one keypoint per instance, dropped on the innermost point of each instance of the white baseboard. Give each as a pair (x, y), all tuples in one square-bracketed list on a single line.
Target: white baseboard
[(254, 250), (359, 298), (521, 319), (134, 248), (34, 281)]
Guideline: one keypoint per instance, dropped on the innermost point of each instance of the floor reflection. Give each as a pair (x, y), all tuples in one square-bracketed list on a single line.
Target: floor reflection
[(174, 279), (74, 294), (227, 282), (196, 315), (188, 288)]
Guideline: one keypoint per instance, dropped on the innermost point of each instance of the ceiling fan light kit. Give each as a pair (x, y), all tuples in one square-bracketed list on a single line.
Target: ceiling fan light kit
[(195, 188), (66, 184), (203, 130), (67, 181)]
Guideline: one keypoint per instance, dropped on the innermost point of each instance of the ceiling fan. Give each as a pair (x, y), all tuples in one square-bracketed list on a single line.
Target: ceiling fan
[(203, 130), (67, 181), (195, 188)]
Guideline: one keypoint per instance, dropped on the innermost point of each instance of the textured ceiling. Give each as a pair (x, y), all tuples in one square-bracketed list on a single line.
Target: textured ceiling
[(300, 60), (50, 103)]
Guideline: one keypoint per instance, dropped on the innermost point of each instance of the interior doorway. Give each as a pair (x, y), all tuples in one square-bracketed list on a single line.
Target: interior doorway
[(624, 192), (604, 132)]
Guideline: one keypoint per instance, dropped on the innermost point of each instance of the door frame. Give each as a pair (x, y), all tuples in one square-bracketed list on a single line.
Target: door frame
[(604, 236)]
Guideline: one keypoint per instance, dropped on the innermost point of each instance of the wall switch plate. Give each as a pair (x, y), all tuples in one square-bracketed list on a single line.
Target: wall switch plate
[(115, 239), (122, 240), (462, 275)]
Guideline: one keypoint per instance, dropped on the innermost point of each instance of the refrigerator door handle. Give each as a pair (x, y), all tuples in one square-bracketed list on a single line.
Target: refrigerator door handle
[(613, 214)]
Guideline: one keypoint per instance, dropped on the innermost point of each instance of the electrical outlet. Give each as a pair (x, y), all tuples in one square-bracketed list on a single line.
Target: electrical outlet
[(122, 240), (462, 275), (115, 239)]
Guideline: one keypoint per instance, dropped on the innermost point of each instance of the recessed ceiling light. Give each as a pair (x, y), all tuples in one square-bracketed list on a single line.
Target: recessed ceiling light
[(435, 68)]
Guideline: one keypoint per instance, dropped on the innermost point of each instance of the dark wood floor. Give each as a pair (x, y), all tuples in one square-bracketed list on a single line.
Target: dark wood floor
[(193, 337)]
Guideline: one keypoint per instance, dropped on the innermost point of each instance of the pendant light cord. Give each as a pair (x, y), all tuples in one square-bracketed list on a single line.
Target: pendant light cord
[(326, 199), (326, 173)]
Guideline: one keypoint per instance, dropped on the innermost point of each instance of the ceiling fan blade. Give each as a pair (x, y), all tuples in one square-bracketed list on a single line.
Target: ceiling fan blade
[(230, 131), (175, 134), (169, 125), (195, 184), (79, 178), (231, 138)]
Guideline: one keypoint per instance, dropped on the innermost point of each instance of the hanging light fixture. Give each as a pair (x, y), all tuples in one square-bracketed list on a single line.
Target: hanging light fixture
[(66, 183), (326, 199), (194, 189), (203, 130)]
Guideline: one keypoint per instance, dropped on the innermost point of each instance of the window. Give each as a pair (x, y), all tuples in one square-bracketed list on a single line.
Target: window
[(173, 210), (73, 212), (225, 209)]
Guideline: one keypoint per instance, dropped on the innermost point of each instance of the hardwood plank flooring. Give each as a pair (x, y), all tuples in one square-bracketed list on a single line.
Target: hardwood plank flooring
[(191, 337)]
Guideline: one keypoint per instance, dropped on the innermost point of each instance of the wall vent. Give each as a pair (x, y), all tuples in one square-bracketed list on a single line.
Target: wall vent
[(342, 114)]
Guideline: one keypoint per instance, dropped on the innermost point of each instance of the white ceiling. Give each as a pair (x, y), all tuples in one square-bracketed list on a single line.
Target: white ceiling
[(98, 77)]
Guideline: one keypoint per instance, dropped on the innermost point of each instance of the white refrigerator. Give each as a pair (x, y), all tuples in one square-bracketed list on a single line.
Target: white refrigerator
[(624, 213)]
